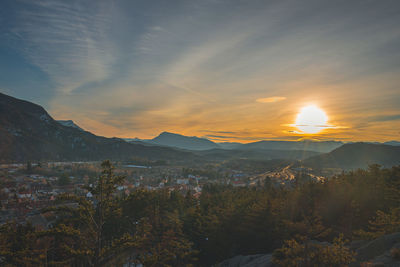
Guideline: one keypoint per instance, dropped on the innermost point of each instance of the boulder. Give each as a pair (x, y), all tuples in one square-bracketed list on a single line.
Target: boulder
[(377, 247), (259, 260), (378, 252)]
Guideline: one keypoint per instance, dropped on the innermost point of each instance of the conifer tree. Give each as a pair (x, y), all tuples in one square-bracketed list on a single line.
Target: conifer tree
[(82, 223), (19, 246)]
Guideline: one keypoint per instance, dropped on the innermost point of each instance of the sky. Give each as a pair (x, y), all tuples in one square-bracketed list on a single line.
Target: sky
[(237, 70)]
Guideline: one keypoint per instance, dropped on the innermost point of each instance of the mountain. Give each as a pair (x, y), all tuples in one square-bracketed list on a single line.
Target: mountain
[(183, 142), (28, 132), (307, 145), (196, 143), (356, 155), (392, 143), (69, 123), (256, 154), (230, 145)]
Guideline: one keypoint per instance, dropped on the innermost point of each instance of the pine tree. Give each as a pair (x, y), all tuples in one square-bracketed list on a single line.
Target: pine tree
[(82, 225), (302, 253), (19, 246)]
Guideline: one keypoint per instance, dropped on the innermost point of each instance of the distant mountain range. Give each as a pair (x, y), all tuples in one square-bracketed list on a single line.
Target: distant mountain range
[(183, 142), (256, 154), (28, 132), (357, 155), (308, 145), (197, 143), (392, 143)]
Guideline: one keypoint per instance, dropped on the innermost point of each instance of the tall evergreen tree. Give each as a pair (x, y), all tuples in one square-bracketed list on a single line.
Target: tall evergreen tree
[(83, 223)]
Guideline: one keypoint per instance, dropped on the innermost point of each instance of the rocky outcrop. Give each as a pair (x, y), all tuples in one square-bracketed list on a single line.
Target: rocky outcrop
[(259, 260), (378, 252)]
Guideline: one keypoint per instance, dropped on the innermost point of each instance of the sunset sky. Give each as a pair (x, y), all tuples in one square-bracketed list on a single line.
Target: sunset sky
[(225, 70)]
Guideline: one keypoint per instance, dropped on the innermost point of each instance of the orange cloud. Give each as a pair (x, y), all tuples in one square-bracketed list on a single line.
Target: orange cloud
[(272, 99)]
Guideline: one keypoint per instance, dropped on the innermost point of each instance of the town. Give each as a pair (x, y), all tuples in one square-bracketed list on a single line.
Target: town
[(27, 189)]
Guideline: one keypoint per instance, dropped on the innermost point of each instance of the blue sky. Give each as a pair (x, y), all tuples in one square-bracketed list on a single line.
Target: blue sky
[(240, 70)]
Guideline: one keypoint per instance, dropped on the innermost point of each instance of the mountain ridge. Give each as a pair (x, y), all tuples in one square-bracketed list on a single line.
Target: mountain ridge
[(28, 132), (303, 145), (199, 143), (183, 142), (357, 155), (69, 123)]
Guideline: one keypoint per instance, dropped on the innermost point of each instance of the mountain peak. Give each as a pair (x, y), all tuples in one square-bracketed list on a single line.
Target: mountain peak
[(169, 133), (183, 142), (69, 123)]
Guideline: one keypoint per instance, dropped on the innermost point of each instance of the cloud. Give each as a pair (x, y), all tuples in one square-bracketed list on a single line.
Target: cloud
[(234, 138), (66, 41), (382, 118), (218, 132), (133, 68), (272, 99)]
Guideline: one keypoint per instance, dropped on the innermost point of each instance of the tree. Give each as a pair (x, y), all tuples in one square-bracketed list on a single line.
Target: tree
[(19, 246), (303, 253), (29, 167), (166, 243), (383, 223), (84, 225), (63, 180)]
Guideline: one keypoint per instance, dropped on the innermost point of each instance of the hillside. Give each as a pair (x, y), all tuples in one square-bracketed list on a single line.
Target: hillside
[(264, 154), (357, 155), (196, 143), (28, 132), (392, 143), (183, 142), (69, 123), (307, 145)]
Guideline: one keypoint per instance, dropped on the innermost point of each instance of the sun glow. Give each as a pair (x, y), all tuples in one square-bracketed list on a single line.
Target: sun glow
[(311, 119)]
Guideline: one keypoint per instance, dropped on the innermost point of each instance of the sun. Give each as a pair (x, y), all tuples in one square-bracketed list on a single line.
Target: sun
[(311, 119)]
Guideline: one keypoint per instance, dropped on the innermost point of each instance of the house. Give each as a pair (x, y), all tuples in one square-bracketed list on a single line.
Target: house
[(182, 181), (238, 184)]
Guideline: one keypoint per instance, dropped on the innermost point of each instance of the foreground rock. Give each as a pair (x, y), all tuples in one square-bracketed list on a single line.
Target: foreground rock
[(378, 252), (259, 260)]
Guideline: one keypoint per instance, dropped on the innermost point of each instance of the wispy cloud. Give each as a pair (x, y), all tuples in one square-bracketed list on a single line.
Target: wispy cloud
[(383, 118), (67, 41), (272, 99), (241, 69), (236, 138)]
